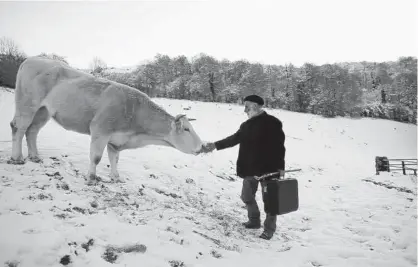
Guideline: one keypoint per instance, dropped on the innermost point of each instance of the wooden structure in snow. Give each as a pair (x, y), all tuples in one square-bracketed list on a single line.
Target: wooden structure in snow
[(388, 165)]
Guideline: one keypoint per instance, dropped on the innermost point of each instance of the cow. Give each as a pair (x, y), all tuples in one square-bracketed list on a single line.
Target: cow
[(115, 116)]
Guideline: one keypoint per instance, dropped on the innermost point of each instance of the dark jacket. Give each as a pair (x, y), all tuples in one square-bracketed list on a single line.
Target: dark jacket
[(261, 141)]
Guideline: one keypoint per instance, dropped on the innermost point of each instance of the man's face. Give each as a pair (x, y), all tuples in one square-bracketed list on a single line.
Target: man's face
[(250, 108)]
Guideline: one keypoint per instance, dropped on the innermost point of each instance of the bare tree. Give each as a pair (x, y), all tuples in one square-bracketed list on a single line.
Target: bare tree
[(10, 59), (97, 65), (9, 47)]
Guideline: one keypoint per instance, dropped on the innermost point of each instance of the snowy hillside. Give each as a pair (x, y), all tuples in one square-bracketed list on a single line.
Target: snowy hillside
[(183, 210)]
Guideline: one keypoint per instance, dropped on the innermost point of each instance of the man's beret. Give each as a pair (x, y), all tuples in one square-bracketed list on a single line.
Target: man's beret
[(255, 99)]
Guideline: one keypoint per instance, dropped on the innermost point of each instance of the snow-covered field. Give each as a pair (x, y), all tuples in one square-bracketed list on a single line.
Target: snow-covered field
[(184, 210)]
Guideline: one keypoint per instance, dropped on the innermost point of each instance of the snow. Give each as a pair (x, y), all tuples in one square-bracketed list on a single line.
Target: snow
[(184, 210), (120, 70)]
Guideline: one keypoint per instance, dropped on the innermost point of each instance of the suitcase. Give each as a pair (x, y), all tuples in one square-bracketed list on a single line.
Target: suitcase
[(280, 196)]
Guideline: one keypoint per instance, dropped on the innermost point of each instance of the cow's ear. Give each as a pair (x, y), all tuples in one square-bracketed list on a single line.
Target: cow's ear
[(178, 117)]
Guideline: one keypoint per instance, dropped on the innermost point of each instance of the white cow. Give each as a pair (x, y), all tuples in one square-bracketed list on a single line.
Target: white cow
[(113, 114)]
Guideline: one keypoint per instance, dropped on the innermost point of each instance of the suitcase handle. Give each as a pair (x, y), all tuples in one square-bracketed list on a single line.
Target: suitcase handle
[(273, 174)]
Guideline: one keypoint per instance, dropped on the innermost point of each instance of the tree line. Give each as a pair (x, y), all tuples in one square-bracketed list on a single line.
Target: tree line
[(369, 89), (360, 89)]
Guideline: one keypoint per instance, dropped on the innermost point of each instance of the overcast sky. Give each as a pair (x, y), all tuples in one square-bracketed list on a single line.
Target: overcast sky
[(269, 32)]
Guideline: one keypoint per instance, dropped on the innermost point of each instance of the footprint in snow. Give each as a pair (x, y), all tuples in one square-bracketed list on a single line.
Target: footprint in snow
[(112, 253)]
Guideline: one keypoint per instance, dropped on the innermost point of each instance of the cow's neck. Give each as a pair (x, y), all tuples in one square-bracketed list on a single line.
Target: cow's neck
[(142, 140), (154, 121)]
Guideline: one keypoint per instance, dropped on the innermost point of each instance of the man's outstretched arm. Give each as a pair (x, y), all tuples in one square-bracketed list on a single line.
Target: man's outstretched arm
[(229, 141)]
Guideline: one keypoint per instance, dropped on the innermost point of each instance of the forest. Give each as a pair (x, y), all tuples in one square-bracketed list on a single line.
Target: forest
[(386, 90)]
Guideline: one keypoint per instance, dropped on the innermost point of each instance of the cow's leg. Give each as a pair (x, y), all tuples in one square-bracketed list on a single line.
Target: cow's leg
[(41, 118), (19, 125), (113, 154), (97, 146)]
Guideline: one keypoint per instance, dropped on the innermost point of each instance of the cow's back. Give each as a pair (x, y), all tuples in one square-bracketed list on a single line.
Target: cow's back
[(73, 98)]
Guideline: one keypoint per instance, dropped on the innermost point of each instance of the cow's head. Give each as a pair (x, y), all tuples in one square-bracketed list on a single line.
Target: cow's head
[(183, 137)]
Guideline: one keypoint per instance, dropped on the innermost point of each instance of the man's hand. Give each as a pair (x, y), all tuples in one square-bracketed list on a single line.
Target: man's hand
[(280, 172), (207, 148)]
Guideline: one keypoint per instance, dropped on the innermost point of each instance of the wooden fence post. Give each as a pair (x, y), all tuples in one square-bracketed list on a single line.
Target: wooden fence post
[(403, 167)]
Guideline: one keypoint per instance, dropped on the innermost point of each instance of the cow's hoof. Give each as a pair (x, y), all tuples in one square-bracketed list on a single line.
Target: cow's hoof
[(117, 179), (93, 179), (35, 159), (91, 182), (16, 161)]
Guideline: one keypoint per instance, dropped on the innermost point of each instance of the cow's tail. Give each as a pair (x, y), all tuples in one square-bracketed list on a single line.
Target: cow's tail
[(18, 95)]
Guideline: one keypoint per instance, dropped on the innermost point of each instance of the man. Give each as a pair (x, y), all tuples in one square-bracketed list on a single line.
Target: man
[(261, 139)]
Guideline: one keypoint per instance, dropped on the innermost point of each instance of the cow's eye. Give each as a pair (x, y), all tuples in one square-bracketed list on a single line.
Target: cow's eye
[(187, 129)]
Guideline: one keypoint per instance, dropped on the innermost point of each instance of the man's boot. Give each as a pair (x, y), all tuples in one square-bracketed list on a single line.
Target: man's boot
[(252, 224), (266, 235), (269, 227)]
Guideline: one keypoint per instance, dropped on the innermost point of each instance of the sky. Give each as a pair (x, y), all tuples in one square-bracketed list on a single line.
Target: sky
[(268, 32)]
